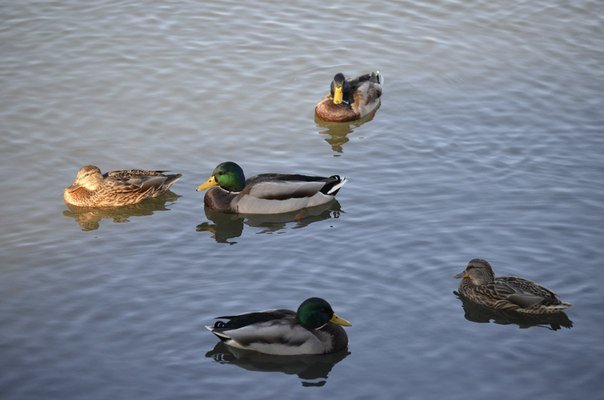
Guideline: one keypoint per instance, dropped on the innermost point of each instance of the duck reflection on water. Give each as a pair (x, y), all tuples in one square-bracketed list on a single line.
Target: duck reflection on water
[(224, 227), (90, 218), (477, 313), (313, 370), (338, 131)]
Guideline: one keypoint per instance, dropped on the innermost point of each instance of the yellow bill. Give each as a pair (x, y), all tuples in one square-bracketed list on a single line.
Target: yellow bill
[(339, 320), (207, 184), (338, 95)]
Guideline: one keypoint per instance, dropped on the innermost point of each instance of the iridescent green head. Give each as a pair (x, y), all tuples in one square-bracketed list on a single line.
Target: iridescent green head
[(315, 312), (228, 175)]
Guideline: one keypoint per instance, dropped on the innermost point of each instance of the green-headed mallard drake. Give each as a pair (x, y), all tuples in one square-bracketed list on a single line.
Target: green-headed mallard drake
[(266, 193), (351, 99), (116, 188), (313, 329), (506, 293)]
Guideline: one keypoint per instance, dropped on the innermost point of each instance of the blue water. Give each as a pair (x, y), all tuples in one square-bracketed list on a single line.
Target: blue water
[(488, 144)]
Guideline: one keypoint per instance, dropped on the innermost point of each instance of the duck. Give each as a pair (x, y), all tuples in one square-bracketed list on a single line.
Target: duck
[(93, 189), (506, 293), (230, 192), (313, 329), (351, 99)]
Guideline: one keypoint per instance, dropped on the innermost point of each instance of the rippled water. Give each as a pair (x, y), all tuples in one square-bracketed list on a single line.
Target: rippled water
[(488, 143)]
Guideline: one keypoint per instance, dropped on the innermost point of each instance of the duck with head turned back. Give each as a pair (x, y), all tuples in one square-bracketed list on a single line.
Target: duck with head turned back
[(506, 293), (313, 329), (351, 99), (116, 188), (230, 192)]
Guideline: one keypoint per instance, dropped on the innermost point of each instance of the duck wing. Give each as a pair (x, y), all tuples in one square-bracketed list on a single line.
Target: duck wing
[(373, 77), (134, 184), (288, 186), (524, 293), (261, 329), (242, 320), (129, 173), (137, 180)]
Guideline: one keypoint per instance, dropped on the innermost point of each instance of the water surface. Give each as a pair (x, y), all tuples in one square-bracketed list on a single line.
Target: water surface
[(488, 143)]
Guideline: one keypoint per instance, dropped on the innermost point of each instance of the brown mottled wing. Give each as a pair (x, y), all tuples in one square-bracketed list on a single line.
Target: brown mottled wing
[(524, 293), (130, 188), (135, 183), (488, 295), (128, 173)]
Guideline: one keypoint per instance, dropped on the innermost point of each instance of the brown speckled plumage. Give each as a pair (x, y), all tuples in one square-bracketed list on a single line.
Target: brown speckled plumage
[(507, 293), (116, 188)]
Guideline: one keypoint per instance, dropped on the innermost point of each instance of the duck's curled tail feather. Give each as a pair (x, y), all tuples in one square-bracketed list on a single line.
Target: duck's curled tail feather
[(334, 184)]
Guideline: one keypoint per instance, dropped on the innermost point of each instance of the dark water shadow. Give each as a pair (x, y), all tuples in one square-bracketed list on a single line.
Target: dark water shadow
[(224, 227), (477, 313), (312, 370), (90, 218), (337, 132)]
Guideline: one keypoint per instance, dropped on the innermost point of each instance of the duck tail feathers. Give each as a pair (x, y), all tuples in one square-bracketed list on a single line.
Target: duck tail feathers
[(223, 337), (379, 78), (338, 183), (171, 180)]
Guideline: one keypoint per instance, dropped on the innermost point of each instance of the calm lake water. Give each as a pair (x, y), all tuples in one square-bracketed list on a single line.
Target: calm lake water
[(489, 143)]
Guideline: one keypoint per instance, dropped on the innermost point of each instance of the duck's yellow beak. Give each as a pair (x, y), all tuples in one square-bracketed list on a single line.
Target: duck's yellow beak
[(72, 187), (339, 320), (338, 95), (207, 184)]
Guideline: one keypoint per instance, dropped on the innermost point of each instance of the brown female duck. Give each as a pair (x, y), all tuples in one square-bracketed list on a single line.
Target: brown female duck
[(507, 293), (116, 188)]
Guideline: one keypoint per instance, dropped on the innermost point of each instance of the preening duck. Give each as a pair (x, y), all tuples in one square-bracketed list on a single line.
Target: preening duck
[(313, 329), (230, 192), (116, 188), (507, 293), (351, 99)]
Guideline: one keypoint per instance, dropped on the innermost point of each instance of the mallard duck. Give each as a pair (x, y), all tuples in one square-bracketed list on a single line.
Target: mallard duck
[(508, 293), (313, 329), (351, 99), (266, 193), (116, 188)]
